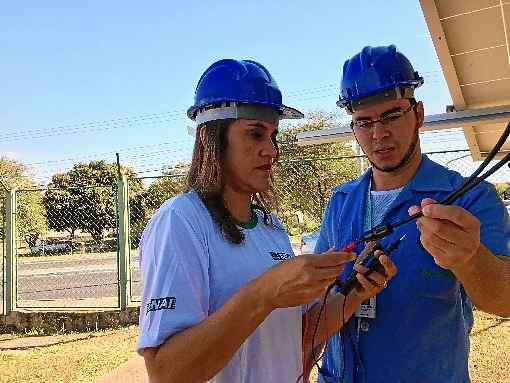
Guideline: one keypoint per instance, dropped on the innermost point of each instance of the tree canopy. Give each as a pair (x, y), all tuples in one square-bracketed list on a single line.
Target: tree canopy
[(305, 175), (30, 210), (84, 198)]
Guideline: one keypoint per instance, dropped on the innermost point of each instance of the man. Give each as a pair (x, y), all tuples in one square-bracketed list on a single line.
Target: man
[(417, 329), (222, 291)]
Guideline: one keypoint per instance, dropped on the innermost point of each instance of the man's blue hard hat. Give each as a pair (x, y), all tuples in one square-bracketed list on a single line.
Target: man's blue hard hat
[(375, 70), (241, 82)]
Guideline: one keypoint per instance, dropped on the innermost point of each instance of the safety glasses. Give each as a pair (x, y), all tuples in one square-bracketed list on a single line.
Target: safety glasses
[(387, 120), (385, 229)]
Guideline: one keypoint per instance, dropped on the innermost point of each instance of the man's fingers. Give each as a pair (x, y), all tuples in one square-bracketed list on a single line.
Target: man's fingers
[(413, 210), (445, 230), (377, 278), (360, 268), (455, 214), (389, 267), (368, 286), (427, 201), (437, 245)]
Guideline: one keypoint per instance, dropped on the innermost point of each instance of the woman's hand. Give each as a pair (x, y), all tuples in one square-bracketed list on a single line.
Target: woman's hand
[(302, 279)]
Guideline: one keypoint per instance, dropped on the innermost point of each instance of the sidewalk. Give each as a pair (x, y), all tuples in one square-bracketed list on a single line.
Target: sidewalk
[(133, 371), (26, 343)]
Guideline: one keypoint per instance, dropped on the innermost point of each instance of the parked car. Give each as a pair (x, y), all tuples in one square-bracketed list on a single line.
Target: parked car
[(308, 242), (52, 246)]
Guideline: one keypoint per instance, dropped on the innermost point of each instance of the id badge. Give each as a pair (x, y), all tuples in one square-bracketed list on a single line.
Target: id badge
[(366, 309)]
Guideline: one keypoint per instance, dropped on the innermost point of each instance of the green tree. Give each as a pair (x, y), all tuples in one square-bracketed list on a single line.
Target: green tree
[(31, 216), (30, 209), (162, 189), (502, 190), (305, 175), (62, 202), (172, 183), (84, 198)]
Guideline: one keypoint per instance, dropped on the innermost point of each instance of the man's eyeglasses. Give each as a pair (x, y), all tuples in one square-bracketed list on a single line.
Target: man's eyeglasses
[(387, 120)]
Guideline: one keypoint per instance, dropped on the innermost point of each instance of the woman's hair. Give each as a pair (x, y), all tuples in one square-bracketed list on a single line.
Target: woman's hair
[(207, 178)]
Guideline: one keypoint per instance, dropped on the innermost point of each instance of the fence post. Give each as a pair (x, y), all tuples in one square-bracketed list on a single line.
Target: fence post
[(123, 241), (359, 152), (11, 264)]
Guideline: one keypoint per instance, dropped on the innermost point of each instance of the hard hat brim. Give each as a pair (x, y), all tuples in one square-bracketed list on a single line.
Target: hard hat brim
[(285, 112), (290, 113)]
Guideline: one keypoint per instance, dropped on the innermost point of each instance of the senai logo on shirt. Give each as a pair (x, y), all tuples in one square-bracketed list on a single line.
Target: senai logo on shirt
[(279, 256), (166, 303)]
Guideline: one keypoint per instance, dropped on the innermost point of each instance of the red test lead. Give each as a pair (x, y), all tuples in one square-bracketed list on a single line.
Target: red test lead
[(349, 247)]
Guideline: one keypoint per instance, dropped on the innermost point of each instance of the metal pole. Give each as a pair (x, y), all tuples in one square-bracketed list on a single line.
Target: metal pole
[(359, 152), (124, 279), (11, 264), (4, 186), (118, 164)]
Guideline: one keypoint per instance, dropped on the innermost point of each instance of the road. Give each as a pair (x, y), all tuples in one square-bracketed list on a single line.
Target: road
[(73, 280), (68, 278)]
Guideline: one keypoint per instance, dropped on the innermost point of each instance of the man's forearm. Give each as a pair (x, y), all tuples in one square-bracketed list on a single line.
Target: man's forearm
[(486, 279), (200, 352)]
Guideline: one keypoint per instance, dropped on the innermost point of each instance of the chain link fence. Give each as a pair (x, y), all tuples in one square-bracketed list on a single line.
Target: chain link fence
[(142, 206), (304, 187), (461, 162), (67, 247), (2, 248)]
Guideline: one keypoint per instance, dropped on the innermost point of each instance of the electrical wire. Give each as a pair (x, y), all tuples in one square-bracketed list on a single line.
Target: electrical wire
[(384, 230)]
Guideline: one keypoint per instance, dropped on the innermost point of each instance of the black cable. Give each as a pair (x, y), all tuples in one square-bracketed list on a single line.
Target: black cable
[(385, 229), (315, 360), (371, 262), (475, 182), (342, 339)]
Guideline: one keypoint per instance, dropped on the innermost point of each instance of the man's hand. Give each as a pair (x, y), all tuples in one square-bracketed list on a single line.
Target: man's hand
[(449, 233), (302, 279), (373, 283)]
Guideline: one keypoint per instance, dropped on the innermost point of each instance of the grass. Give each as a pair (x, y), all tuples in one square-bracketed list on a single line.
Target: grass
[(85, 357), (490, 350), (82, 357)]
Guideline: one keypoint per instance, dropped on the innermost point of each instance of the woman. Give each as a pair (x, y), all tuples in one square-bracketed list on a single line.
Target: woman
[(222, 291)]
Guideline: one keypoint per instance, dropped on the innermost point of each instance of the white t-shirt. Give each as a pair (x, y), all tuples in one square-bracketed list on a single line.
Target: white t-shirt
[(189, 270), (380, 201)]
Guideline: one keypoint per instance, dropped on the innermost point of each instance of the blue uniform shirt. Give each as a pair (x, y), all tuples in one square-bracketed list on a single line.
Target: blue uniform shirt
[(424, 317)]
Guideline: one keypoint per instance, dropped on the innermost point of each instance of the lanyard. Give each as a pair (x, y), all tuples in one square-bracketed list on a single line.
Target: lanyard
[(368, 209)]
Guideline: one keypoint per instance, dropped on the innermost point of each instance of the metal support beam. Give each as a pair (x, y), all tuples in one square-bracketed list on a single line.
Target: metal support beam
[(124, 278), (11, 264), (434, 122)]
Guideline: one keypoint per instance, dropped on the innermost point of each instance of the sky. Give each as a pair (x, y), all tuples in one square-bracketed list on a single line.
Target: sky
[(83, 80)]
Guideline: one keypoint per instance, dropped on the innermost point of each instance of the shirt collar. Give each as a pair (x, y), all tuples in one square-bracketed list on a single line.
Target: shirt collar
[(430, 176)]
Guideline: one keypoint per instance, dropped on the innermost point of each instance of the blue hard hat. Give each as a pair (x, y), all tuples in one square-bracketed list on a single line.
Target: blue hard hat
[(240, 81), (375, 70)]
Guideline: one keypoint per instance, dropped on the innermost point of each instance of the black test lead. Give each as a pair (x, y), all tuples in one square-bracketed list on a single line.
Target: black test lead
[(371, 262)]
